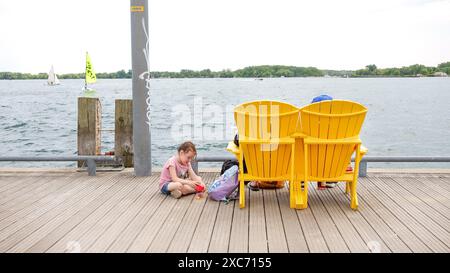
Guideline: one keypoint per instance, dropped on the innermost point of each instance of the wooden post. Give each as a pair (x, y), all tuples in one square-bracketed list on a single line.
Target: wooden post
[(123, 140), (89, 127)]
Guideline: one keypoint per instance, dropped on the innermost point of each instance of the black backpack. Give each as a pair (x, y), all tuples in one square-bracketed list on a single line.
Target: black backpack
[(230, 163), (236, 140)]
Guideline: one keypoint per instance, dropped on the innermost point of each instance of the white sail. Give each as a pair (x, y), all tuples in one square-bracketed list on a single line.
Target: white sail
[(56, 80), (52, 78)]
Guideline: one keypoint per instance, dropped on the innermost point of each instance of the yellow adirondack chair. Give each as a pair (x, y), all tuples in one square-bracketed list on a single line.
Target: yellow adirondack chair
[(326, 139), (266, 144)]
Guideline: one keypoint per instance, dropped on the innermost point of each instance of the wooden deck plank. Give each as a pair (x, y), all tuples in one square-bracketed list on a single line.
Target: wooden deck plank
[(172, 224), (428, 240), (276, 237), (46, 223), (257, 237), (436, 231), (293, 230), (351, 236), (17, 193), (149, 231), (239, 227), (12, 182), (368, 234), (31, 185), (330, 233), (398, 227), (421, 201), (32, 196), (51, 215), (311, 230), (105, 239), (370, 225), (434, 182), (220, 238), (112, 212), (125, 238), (84, 226), (21, 218), (182, 238), (176, 220), (437, 185), (163, 238), (443, 182), (26, 184), (429, 195), (203, 232)]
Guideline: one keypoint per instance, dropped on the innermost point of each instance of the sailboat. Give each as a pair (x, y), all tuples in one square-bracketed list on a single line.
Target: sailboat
[(52, 78), (90, 77)]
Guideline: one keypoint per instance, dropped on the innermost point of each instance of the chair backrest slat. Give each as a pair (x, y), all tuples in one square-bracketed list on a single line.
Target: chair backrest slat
[(331, 120), (266, 120)]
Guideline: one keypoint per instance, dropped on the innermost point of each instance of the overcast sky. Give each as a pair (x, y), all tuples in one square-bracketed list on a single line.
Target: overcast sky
[(221, 34)]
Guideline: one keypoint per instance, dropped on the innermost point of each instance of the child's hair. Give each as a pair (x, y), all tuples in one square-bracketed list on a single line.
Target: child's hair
[(186, 147)]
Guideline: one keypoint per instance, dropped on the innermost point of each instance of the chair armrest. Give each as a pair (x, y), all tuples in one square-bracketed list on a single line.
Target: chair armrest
[(283, 140), (363, 150), (312, 140), (299, 135), (232, 148)]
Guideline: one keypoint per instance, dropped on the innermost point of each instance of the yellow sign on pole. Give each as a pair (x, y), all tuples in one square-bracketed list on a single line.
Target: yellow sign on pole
[(137, 8)]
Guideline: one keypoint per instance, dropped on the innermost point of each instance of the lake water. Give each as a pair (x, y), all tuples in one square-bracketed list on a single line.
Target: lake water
[(406, 117)]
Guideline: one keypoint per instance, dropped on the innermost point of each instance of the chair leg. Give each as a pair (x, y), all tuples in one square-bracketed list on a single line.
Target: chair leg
[(353, 195), (299, 196), (347, 187), (304, 192), (241, 179), (291, 195), (292, 185), (241, 194), (305, 197)]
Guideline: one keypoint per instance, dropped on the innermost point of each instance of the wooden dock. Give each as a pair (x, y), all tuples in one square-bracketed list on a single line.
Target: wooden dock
[(68, 211)]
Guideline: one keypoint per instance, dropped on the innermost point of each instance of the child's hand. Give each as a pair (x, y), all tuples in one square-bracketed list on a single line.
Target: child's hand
[(192, 183), (198, 183)]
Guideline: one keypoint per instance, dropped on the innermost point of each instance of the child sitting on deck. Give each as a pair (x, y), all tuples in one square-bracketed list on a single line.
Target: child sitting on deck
[(177, 176)]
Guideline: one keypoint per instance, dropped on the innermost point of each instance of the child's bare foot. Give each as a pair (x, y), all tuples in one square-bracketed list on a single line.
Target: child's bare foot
[(176, 194)]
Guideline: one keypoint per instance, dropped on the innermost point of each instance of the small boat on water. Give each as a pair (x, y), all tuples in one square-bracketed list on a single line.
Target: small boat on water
[(52, 78), (89, 78)]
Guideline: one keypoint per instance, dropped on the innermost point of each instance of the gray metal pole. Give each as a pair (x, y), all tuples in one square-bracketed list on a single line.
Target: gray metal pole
[(141, 88), (362, 169), (91, 167)]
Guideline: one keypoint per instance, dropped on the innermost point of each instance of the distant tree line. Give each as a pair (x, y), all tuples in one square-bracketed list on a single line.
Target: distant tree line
[(122, 74), (262, 71), (406, 71)]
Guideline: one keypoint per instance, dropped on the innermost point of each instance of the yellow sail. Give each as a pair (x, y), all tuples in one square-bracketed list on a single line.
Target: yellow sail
[(90, 74)]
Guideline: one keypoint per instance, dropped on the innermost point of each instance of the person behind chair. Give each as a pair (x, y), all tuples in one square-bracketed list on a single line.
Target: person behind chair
[(323, 185)]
